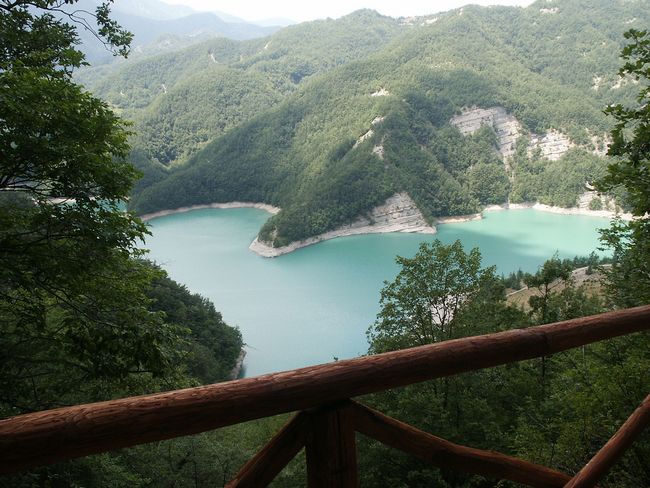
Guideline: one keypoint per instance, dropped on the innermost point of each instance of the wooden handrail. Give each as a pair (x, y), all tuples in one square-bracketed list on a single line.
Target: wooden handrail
[(46, 437), (330, 447)]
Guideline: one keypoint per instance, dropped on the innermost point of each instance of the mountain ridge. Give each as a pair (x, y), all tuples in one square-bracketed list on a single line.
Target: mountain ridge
[(314, 150), (151, 20)]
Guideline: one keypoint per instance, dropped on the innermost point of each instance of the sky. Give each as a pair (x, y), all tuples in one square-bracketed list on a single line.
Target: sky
[(303, 10)]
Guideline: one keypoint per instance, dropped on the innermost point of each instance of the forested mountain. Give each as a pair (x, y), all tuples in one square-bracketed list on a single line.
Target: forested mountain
[(159, 27), (183, 99), (328, 119), (153, 9)]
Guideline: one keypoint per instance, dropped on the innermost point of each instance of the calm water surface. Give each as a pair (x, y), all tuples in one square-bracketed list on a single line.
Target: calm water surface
[(316, 303)]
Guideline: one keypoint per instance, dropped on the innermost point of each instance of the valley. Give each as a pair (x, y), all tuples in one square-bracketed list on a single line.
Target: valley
[(432, 230)]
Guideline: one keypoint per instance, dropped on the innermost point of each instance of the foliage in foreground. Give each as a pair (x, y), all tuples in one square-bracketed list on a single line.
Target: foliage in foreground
[(82, 316), (630, 273), (555, 411)]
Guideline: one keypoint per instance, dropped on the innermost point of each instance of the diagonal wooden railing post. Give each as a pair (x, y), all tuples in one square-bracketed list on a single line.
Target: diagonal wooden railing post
[(260, 470), (445, 454), (331, 448), (604, 459)]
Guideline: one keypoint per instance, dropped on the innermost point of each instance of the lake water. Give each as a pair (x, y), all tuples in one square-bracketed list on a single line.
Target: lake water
[(315, 304)]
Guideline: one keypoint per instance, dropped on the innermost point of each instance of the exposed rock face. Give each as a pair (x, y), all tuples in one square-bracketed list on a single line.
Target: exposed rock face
[(369, 134), (506, 127), (597, 82), (397, 214), (585, 199), (608, 204), (382, 92), (624, 81), (239, 363), (552, 146), (508, 130), (600, 144), (364, 137)]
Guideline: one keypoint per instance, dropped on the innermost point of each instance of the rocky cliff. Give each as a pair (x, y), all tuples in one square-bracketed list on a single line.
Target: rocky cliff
[(397, 214)]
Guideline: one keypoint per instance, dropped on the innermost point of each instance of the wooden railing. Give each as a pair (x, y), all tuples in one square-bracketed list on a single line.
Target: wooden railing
[(328, 419)]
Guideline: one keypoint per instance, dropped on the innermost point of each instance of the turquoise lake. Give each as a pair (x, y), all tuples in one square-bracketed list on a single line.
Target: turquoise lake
[(315, 304)]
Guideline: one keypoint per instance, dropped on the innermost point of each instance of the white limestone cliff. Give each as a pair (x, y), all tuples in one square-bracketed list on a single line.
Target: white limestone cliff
[(506, 127)]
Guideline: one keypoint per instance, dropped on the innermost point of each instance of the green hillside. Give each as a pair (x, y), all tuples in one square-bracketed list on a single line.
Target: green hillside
[(180, 101), (306, 154)]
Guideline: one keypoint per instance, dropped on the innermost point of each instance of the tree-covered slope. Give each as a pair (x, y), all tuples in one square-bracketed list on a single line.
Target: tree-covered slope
[(575, 42), (183, 99), (351, 137), (210, 347)]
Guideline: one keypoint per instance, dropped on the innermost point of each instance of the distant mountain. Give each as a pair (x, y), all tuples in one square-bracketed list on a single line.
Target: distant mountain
[(193, 25), (159, 10), (231, 18), (329, 119), (149, 20), (153, 9), (280, 21)]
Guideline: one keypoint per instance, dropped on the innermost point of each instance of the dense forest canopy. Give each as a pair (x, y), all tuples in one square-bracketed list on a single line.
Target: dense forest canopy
[(368, 101)]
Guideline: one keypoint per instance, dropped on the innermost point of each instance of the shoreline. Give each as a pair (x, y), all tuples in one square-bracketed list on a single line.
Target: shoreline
[(264, 250), (541, 207), (399, 214), (457, 219), (163, 213), (267, 251)]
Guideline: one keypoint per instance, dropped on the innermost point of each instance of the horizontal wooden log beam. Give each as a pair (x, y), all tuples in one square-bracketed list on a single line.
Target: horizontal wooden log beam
[(46, 437), (444, 454), (604, 459), (260, 470)]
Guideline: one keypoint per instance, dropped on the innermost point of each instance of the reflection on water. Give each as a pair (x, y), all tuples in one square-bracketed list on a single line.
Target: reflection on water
[(315, 304)]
